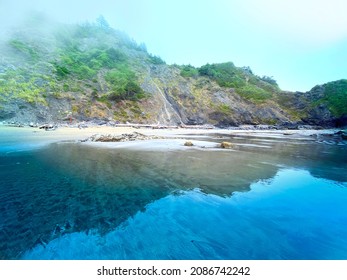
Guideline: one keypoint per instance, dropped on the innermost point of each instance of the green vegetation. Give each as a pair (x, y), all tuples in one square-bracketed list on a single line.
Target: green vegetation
[(269, 80), (77, 61), (123, 83), (224, 109), (249, 86), (189, 71), (24, 49), (94, 64), (335, 95), (75, 66), (85, 64), (155, 59), (254, 93), (16, 85), (225, 74)]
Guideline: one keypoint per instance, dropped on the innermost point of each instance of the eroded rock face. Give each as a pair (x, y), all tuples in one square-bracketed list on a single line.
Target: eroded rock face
[(4, 114), (168, 98)]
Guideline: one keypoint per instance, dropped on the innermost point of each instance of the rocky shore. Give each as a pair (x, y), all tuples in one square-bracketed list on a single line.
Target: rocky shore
[(120, 138), (111, 132), (107, 123)]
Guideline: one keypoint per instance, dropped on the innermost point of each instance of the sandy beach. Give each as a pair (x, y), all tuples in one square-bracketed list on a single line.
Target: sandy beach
[(169, 138), (74, 133)]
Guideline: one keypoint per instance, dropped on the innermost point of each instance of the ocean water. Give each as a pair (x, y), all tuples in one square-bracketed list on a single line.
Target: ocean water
[(264, 199)]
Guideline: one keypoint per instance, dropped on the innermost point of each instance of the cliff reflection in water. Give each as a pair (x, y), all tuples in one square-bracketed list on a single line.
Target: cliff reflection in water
[(66, 188)]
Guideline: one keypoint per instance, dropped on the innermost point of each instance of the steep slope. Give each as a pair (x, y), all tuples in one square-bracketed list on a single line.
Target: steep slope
[(54, 73), (324, 105)]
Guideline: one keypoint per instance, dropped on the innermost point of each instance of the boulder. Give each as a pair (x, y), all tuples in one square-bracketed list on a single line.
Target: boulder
[(188, 144), (226, 145), (342, 134), (120, 138)]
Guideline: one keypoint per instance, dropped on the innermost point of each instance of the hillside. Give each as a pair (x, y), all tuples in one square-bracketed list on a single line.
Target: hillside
[(53, 72)]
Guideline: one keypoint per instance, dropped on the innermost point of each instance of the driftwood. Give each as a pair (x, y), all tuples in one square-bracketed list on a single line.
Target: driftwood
[(47, 127)]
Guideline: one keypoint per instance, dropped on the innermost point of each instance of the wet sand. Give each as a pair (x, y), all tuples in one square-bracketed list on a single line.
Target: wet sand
[(171, 137)]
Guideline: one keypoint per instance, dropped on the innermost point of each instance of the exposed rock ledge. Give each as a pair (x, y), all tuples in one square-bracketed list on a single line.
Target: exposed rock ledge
[(120, 138)]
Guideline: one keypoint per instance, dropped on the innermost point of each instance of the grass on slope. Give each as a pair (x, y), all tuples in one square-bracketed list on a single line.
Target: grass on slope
[(335, 95)]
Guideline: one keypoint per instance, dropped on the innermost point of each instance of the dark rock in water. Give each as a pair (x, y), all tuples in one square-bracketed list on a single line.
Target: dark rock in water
[(338, 137), (67, 225), (57, 229), (342, 134)]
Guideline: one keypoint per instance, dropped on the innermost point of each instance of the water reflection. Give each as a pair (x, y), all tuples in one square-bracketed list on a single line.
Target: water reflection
[(69, 189), (279, 218)]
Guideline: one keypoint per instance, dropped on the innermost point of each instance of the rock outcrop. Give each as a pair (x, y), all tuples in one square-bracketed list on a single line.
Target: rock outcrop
[(120, 138), (226, 145)]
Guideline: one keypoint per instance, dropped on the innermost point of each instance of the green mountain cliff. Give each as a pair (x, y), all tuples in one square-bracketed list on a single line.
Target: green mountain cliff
[(53, 72)]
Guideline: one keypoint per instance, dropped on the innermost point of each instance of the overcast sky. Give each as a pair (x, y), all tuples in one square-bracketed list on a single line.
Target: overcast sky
[(300, 43)]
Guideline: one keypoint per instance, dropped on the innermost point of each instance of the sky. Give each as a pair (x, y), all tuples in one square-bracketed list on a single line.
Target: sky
[(300, 43)]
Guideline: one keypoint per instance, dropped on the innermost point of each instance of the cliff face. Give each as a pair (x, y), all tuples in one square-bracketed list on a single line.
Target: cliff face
[(200, 100), (92, 72), (324, 105)]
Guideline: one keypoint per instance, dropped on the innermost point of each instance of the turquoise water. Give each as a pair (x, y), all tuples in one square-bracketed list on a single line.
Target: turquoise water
[(269, 199)]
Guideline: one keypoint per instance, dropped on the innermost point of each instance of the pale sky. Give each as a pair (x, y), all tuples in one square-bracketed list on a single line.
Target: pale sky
[(301, 43)]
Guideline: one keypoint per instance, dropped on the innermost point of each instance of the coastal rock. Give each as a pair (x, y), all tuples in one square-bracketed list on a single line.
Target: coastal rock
[(226, 145), (331, 138), (188, 144), (342, 134), (31, 124), (120, 138)]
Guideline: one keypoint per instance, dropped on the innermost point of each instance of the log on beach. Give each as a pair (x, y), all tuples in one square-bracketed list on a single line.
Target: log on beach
[(47, 127)]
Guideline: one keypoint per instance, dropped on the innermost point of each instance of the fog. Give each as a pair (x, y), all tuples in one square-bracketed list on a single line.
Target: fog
[(300, 43), (16, 12)]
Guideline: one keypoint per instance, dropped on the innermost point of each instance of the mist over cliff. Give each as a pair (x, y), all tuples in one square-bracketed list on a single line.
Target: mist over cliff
[(57, 72)]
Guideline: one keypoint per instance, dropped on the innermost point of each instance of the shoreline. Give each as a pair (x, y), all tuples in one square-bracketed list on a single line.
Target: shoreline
[(163, 138)]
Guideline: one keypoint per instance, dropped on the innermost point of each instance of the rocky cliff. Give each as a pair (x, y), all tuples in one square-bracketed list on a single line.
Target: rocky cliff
[(68, 73)]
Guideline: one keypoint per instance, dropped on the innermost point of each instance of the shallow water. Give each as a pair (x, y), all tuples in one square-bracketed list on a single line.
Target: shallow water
[(265, 199)]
